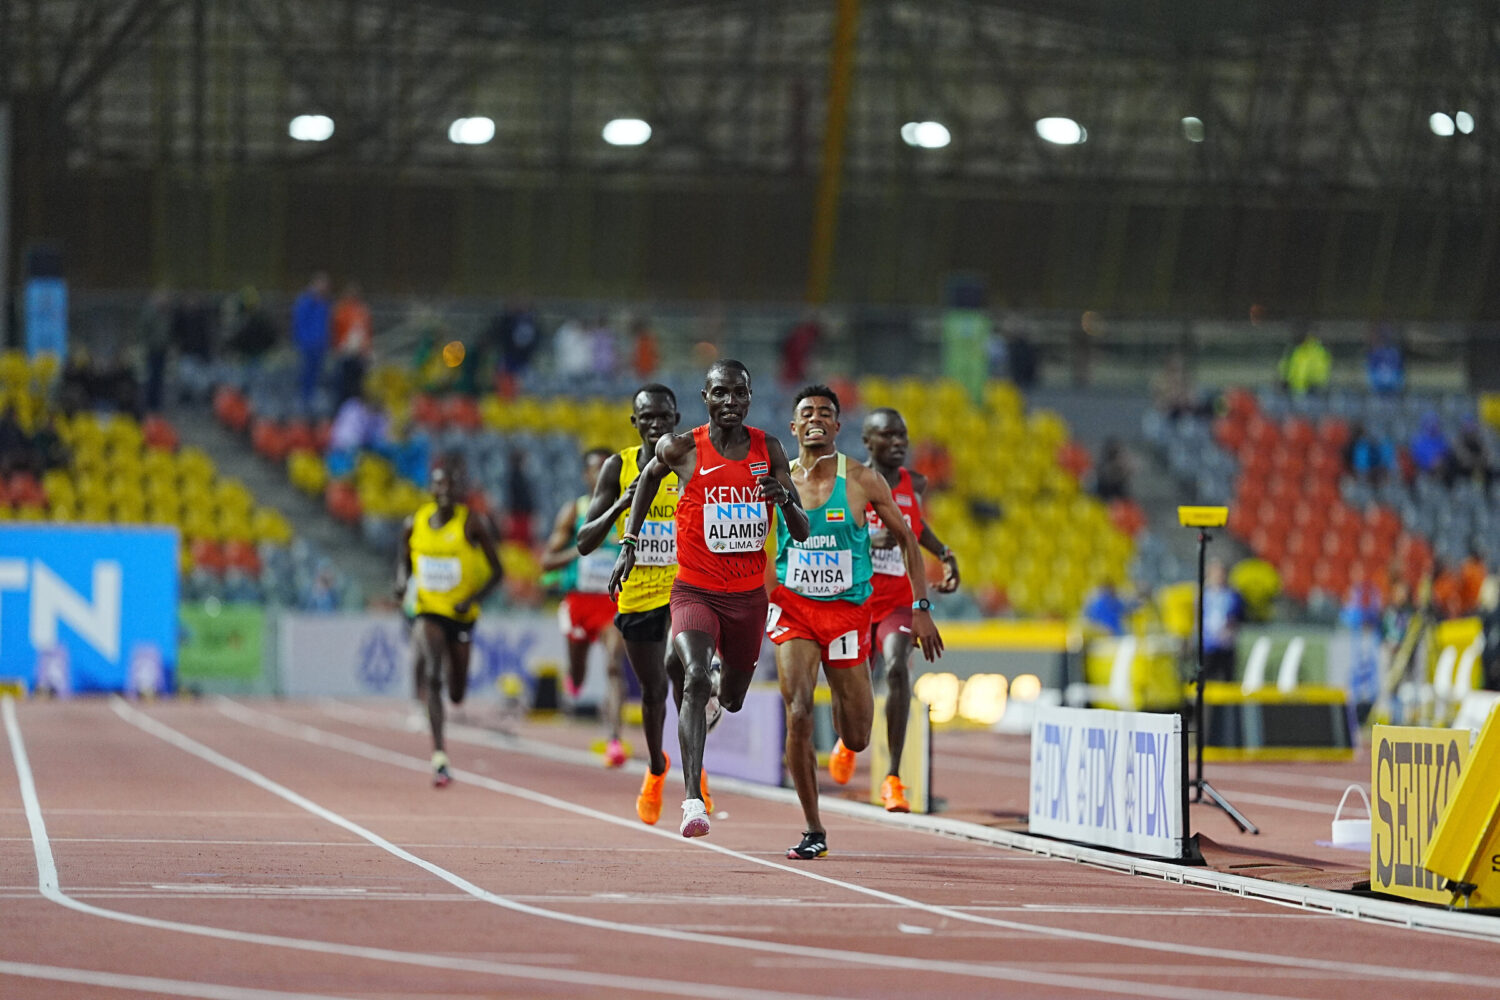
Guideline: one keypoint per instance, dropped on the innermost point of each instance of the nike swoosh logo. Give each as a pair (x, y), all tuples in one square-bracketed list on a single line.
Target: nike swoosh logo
[(704, 472)]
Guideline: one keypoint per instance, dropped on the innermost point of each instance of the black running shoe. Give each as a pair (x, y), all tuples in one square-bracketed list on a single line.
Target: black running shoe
[(814, 845)]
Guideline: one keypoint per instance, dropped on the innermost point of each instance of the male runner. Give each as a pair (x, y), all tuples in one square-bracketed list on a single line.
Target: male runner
[(644, 615), (885, 438), (730, 475), (452, 555), (587, 612), (818, 612)]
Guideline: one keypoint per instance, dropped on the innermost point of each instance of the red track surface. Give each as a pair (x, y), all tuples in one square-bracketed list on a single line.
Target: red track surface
[(328, 869)]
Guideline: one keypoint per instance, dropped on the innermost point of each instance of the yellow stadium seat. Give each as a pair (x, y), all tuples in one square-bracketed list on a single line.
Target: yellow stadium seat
[(14, 371), (270, 526)]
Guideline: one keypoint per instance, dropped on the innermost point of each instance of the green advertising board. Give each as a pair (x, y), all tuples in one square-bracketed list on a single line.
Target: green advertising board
[(221, 646)]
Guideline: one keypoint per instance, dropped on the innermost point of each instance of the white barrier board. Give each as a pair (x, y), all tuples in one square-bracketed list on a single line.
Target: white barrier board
[(1108, 778)]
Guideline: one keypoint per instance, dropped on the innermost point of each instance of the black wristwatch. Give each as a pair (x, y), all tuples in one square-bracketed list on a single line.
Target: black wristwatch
[(921, 604)]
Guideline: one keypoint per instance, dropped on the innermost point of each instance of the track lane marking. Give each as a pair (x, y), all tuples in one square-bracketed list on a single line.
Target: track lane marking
[(150, 984), (47, 884), (974, 970), (311, 734)]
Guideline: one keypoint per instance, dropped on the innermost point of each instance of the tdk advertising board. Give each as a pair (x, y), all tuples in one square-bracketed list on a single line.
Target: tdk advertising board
[(81, 606)]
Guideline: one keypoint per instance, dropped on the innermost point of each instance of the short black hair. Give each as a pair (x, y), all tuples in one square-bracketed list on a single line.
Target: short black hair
[(600, 452), (808, 391), (883, 411), (655, 389), (726, 365)]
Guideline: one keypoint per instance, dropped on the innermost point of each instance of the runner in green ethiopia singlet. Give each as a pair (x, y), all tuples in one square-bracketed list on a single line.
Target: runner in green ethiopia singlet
[(834, 563)]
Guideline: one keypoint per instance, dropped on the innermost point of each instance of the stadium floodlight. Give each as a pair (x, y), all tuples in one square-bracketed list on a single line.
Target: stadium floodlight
[(1464, 121), (926, 135), (1062, 131), (627, 132), (310, 128), (1192, 129), (471, 131), (1440, 124)]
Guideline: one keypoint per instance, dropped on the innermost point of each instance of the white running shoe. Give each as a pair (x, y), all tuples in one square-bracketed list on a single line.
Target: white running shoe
[(694, 818)]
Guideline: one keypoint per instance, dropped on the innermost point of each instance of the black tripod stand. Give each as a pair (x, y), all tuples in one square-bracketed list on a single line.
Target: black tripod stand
[(1199, 784)]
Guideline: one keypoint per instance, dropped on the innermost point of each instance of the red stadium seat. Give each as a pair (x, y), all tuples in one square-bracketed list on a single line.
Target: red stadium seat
[(342, 501), (461, 411), (322, 432), (268, 440), (1229, 433), (299, 436), (207, 556), (425, 412), (1074, 457), (159, 434), (1298, 432), (242, 556)]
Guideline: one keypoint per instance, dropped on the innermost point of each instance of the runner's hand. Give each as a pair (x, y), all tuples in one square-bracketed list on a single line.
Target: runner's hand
[(924, 632), (950, 575), (399, 590), (882, 539), (624, 563), (771, 490), (462, 607), (627, 496)]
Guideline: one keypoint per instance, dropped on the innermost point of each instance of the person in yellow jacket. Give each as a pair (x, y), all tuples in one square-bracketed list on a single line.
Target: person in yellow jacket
[(450, 556), (644, 617)]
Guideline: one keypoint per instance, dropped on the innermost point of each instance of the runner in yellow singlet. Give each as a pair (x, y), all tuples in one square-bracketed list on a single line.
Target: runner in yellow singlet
[(451, 554)]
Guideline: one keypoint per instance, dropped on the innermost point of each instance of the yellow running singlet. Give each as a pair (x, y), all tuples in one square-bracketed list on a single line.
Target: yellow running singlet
[(445, 564), (650, 583)]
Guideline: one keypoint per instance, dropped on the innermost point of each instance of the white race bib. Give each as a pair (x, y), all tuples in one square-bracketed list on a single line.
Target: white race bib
[(594, 571), (439, 574), (889, 562), (658, 544), (819, 572), (735, 527)]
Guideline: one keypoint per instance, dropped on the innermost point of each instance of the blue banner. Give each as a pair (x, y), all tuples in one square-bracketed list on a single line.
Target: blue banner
[(80, 607), (47, 317)]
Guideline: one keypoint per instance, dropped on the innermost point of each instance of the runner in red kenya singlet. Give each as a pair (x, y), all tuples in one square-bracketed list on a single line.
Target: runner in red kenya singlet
[(731, 476), (891, 603)]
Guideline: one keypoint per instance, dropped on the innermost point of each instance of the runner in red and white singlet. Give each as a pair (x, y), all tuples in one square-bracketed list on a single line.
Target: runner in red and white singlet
[(730, 476), (885, 438)]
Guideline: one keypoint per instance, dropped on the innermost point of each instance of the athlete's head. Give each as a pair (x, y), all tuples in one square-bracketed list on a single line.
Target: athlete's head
[(655, 413), (815, 418), (884, 435), (726, 392), (446, 481), (593, 461)]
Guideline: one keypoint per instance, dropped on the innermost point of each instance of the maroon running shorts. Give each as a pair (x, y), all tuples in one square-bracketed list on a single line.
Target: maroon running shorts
[(736, 622)]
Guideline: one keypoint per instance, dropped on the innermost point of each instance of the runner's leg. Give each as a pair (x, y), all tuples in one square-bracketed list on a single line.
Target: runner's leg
[(578, 663), (458, 669), (696, 649), (435, 656), (853, 703), (897, 693), (614, 679), (797, 663), (646, 659)]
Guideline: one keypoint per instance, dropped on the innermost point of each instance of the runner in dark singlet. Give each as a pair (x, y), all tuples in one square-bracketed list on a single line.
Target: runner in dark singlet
[(885, 438), (731, 475)]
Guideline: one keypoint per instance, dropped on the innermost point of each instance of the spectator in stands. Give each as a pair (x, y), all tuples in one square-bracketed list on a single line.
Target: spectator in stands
[(1368, 457), (247, 328), (1489, 630), (1025, 365), (1223, 613), (154, 335), (1384, 364), (1396, 617), (797, 349), (645, 352), (1112, 473), (1361, 608), (1172, 390), (1470, 457), (1446, 596), (192, 329), (573, 352), (1306, 366), (1429, 449), (117, 386), (514, 335), (1471, 576), (310, 330), (323, 592), (47, 448), (520, 500), (360, 424), (1105, 609), (14, 444), (353, 342), (604, 348)]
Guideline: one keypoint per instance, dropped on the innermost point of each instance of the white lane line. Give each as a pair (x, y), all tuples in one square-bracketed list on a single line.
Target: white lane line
[(47, 884), (311, 734), (1281, 802), (149, 984), (453, 845), (972, 969)]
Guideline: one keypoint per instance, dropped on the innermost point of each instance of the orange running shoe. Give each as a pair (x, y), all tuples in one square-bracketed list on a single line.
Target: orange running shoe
[(841, 763), (893, 795), (648, 803), (708, 800)]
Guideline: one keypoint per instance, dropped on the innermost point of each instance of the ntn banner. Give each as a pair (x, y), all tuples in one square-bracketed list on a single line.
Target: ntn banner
[(1109, 778)]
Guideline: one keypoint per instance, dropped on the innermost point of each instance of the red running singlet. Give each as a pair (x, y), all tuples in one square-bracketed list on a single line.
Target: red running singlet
[(721, 523), (892, 587)]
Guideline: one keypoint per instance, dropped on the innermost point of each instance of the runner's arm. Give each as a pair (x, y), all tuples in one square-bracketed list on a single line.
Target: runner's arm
[(777, 488), (933, 544), (605, 506), (560, 547), (671, 450), (403, 560), (923, 631), (477, 531)]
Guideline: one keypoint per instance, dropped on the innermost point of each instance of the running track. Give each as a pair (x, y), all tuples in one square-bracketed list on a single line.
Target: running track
[(275, 850)]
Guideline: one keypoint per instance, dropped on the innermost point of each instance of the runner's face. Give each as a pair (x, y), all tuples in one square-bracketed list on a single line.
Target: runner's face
[(655, 417), (591, 466), (885, 438), (815, 423), (440, 484), (727, 396)]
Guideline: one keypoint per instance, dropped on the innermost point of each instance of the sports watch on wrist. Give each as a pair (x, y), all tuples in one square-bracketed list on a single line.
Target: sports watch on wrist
[(921, 604)]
